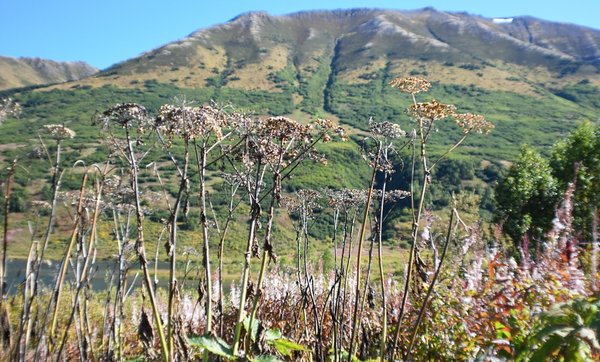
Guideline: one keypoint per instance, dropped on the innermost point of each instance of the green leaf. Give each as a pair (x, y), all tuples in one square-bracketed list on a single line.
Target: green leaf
[(136, 359), (212, 344), (273, 334), (286, 347), (559, 330), (547, 349), (577, 351), (254, 331), (502, 332)]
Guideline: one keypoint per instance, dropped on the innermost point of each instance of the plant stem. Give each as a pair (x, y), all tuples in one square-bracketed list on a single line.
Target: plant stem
[(140, 246), (173, 250), (430, 289), (254, 216), (414, 235), (206, 246), (85, 269), (263, 264), (26, 321), (3, 308), (381, 274), (65, 261), (358, 258), (7, 195)]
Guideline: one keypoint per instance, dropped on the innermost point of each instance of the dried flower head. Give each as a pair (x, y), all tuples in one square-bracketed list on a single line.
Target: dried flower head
[(59, 132), (8, 107), (303, 203), (190, 122), (412, 85), (39, 205), (346, 198), (112, 183), (327, 127), (276, 139), (431, 111), (473, 122), (125, 115), (284, 129), (71, 198), (392, 195), (386, 129), (234, 179)]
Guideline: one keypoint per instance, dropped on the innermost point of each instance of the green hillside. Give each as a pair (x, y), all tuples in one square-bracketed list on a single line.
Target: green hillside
[(338, 65)]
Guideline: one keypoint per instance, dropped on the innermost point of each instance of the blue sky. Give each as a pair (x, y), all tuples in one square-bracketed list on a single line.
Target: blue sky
[(106, 32)]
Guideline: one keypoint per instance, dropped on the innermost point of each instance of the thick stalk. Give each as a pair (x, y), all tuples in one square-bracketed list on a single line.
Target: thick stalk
[(65, 262), (27, 287), (84, 271), (414, 236), (345, 295), (410, 264), (340, 299), (255, 214), (173, 252), (358, 258), (3, 308), (383, 343), (26, 321), (7, 195), (140, 247), (205, 243), (431, 286), (336, 286), (267, 247), (220, 257), (263, 264)]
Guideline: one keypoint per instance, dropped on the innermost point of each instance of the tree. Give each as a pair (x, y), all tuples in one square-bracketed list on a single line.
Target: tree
[(577, 159), (526, 197)]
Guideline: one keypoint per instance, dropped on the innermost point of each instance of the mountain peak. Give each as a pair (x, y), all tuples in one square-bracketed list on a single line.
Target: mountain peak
[(250, 16)]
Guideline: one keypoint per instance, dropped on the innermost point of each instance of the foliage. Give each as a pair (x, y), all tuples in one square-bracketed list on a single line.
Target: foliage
[(567, 332), (576, 159), (213, 344), (526, 197)]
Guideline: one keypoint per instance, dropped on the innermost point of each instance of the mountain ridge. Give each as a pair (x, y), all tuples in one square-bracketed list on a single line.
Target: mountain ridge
[(365, 37), (532, 83), (25, 71)]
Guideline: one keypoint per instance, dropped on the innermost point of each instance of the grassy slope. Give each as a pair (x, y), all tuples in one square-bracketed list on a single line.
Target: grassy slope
[(539, 119)]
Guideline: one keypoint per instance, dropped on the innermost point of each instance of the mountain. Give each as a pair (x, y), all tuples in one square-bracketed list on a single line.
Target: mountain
[(20, 72), (247, 51), (533, 78)]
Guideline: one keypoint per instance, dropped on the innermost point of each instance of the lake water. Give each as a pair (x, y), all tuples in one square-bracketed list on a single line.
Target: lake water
[(101, 274)]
